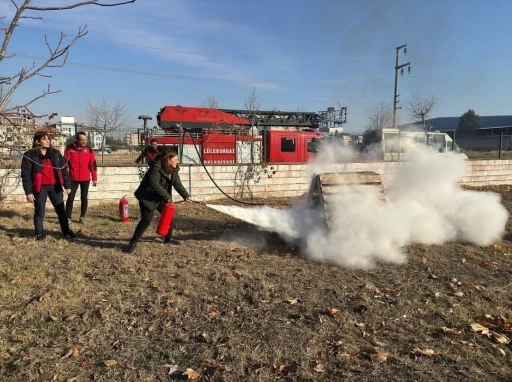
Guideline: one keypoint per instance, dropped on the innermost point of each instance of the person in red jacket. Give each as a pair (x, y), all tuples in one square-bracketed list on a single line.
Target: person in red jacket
[(82, 168), (149, 152), (44, 174)]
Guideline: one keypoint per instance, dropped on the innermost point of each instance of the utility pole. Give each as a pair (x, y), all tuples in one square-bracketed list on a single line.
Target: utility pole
[(145, 118), (401, 68)]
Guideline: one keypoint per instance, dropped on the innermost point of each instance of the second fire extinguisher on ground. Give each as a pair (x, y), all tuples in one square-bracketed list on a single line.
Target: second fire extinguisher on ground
[(123, 210)]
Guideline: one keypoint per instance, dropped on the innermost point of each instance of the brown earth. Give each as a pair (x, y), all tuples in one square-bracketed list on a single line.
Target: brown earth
[(236, 304)]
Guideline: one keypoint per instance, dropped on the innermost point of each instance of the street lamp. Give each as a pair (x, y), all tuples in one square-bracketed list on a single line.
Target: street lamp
[(145, 118)]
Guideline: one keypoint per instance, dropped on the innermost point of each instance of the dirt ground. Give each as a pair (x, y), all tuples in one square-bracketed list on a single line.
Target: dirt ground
[(236, 304)]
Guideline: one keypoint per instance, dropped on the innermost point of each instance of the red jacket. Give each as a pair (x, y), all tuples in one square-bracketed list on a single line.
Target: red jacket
[(32, 168), (81, 163)]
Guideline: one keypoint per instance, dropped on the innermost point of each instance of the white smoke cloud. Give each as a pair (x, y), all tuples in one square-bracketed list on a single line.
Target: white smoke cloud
[(425, 205)]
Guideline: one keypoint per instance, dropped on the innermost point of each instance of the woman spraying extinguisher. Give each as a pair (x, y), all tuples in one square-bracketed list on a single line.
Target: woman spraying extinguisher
[(155, 191)]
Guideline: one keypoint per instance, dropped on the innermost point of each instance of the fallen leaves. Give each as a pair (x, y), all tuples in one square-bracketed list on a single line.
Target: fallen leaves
[(424, 352), (476, 327), (451, 331), (110, 362), (16, 280), (490, 264), (83, 230), (495, 328), (45, 296), (379, 357), (213, 314), (73, 352), (192, 374), (319, 367)]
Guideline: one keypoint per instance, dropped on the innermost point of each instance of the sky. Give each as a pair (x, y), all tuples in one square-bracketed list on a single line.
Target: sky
[(297, 54)]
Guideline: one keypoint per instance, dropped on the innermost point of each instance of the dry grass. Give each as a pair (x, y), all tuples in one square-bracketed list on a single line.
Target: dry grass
[(236, 304), (486, 155)]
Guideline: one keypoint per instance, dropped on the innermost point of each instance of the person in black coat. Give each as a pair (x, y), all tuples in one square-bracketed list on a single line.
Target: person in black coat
[(154, 191), (44, 174)]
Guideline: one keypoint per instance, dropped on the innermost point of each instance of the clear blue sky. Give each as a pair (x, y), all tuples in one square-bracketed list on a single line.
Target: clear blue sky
[(297, 54)]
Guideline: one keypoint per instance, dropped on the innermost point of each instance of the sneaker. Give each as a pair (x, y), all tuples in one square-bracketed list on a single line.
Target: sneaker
[(172, 241), (70, 235), (81, 220), (131, 247), (40, 237)]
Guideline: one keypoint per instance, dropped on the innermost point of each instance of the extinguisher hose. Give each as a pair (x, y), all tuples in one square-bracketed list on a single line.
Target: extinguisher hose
[(213, 181)]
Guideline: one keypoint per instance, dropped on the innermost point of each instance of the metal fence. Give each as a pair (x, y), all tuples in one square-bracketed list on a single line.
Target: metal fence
[(120, 157), (484, 146)]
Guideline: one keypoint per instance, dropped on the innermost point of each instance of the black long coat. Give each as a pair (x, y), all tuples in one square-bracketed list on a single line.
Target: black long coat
[(157, 184)]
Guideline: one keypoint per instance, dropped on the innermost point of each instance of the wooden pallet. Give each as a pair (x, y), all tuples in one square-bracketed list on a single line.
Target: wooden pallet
[(330, 188)]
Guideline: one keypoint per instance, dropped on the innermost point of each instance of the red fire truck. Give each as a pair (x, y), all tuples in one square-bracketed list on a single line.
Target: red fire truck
[(238, 136)]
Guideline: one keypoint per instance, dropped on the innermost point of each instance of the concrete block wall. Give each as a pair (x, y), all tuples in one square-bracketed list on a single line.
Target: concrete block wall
[(278, 180)]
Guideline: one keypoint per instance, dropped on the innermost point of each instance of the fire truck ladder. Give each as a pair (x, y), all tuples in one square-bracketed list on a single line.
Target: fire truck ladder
[(331, 117), (277, 117)]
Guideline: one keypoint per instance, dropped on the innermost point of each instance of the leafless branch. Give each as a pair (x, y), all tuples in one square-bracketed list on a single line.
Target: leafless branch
[(57, 57), (60, 50), (76, 5), (420, 108), (106, 119), (380, 117), (45, 93), (210, 102), (251, 101)]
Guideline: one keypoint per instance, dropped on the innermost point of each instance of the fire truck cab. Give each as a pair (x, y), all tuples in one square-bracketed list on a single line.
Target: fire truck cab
[(290, 146)]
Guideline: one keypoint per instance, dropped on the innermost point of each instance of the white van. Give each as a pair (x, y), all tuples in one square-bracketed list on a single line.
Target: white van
[(396, 144)]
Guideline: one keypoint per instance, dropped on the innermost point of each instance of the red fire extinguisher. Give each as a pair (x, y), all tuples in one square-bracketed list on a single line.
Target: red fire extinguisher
[(123, 210), (165, 219)]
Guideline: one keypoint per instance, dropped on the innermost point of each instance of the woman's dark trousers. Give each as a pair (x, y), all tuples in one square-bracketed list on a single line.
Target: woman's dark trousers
[(145, 221), (57, 200)]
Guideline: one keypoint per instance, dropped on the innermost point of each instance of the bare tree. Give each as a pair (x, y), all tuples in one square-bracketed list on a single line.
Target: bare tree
[(210, 102), (106, 119), (250, 172), (57, 55), (380, 117), (420, 108), (13, 134), (251, 102)]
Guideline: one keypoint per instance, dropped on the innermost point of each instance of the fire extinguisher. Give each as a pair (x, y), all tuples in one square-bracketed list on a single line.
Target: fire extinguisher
[(123, 210), (166, 219)]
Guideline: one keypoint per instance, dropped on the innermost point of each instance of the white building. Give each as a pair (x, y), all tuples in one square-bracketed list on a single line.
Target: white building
[(66, 126), (132, 139)]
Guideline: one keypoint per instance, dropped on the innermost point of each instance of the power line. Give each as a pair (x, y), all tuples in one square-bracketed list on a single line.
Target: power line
[(441, 81), (185, 77), (212, 54), (249, 81)]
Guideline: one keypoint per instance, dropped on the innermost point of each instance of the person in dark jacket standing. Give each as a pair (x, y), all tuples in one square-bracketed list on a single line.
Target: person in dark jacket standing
[(82, 168), (44, 174), (154, 191), (149, 152)]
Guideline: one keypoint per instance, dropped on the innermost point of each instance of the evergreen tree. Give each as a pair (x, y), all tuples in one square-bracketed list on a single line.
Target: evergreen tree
[(469, 122)]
